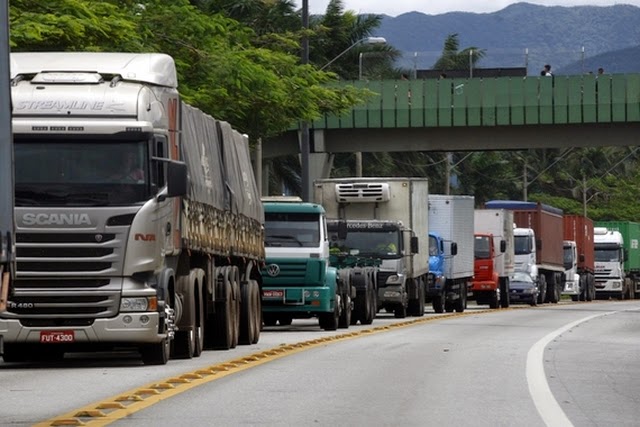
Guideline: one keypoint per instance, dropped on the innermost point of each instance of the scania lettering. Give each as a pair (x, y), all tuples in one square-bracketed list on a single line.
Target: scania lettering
[(55, 219)]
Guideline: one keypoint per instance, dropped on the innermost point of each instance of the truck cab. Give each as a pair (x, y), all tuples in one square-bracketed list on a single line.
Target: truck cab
[(298, 281), (609, 263), (572, 278), (486, 278), (440, 251), (524, 242)]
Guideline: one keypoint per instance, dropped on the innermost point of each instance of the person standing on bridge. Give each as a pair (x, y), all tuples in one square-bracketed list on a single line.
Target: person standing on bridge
[(546, 71)]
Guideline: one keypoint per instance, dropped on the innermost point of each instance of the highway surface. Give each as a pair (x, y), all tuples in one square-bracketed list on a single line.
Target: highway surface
[(555, 365)]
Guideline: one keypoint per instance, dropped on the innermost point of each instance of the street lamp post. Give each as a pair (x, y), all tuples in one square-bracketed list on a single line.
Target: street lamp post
[(305, 149), (366, 40)]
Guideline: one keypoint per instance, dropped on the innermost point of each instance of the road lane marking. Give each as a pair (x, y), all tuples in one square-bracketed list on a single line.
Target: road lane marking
[(547, 406)]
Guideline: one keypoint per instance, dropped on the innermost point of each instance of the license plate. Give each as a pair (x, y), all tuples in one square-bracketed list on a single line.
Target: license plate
[(54, 337), (273, 294)]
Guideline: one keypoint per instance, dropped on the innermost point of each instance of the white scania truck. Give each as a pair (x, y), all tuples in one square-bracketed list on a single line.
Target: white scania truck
[(138, 219)]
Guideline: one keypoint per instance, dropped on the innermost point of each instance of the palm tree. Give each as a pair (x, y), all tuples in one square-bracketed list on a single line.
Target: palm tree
[(454, 59)]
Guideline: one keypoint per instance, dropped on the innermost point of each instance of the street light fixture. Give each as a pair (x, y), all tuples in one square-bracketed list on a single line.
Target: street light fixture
[(366, 40)]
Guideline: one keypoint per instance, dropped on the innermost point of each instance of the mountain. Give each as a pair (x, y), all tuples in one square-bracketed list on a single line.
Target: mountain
[(525, 35)]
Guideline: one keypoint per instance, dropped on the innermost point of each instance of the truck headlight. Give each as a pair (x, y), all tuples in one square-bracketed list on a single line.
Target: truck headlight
[(128, 304), (395, 279)]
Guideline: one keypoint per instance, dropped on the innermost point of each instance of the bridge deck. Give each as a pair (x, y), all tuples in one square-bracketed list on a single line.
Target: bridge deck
[(496, 101)]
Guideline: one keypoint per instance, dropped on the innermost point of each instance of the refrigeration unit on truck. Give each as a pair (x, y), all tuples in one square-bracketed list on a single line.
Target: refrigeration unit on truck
[(617, 259), (538, 244), (393, 209), (494, 256), (579, 258), (138, 218), (450, 251), (298, 281)]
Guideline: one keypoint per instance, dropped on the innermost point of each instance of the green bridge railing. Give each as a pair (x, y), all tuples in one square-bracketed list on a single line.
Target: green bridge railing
[(496, 101)]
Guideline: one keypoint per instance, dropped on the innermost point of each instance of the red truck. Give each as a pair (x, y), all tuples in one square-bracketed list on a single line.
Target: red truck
[(579, 258)]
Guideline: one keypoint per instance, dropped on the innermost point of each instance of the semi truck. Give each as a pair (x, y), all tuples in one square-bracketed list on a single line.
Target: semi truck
[(538, 244), (450, 251), (298, 280), (617, 259), (393, 210), (579, 258), (360, 270), (494, 256), (139, 223)]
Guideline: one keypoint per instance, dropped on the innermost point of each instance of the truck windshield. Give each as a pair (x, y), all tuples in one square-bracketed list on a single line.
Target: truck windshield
[(292, 229), (81, 173), (482, 247), (522, 245), (607, 254), (383, 244), (568, 257)]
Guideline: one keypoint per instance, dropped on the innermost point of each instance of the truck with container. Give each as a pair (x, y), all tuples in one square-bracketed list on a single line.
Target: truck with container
[(139, 223), (298, 280), (538, 244), (450, 251), (579, 258), (617, 259), (494, 257), (392, 210)]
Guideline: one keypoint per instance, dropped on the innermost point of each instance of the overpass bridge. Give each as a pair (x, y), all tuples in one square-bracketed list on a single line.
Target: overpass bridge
[(475, 114)]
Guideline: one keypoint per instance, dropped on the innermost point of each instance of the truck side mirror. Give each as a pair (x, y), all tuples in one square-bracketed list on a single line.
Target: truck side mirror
[(176, 179), (625, 256), (454, 249), (342, 230), (414, 245), (539, 245), (503, 246)]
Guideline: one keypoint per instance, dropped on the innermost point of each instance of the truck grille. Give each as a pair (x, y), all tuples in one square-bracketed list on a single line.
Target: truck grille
[(294, 272), (382, 278), (66, 276)]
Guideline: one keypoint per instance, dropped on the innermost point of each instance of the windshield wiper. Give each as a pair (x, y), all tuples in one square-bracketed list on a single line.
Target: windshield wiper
[(284, 237)]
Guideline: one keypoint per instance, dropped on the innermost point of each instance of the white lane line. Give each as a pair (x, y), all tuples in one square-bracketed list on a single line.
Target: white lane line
[(547, 406)]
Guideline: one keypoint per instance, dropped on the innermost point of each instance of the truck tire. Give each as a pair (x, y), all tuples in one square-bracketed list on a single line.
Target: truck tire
[(182, 346), (247, 308), (461, 303), (494, 302), (591, 288), (345, 314), (156, 354), (234, 278), (416, 306), (257, 315), (199, 325), (371, 306), (542, 289), (438, 303), (329, 321), (505, 298), (400, 311), (224, 316), (269, 319)]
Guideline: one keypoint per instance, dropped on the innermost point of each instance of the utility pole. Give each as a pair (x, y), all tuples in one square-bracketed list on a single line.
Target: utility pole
[(305, 149), (7, 223)]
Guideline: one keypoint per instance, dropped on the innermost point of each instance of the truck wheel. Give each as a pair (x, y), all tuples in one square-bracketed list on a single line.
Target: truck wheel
[(224, 316), (505, 298), (329, 321), (269, 319), (345, 315), (438, 303), (371, 307), (183, 344), (448, 306), (553, 290), (257, 313), (542, 288), (591, 288), (156, 354), (247, 325), (494, 302), (461, 303), (400, 311)]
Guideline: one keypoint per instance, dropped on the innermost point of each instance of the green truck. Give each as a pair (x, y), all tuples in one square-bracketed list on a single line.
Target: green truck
[(617, 259), (298, 280)]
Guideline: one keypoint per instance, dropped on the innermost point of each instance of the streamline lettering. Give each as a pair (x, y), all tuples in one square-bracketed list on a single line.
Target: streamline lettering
[(56, 219), (59, 105)]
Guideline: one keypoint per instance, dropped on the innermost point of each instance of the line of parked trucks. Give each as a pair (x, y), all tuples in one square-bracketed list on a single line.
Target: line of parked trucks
[(139, 225)]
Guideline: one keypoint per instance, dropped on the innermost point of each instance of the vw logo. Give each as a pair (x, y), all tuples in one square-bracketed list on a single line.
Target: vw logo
[(273, 270)]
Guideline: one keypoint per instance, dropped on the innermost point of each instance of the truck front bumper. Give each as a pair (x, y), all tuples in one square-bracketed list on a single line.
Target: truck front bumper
[(391, 294), (126, 328), (297, 299), (571, 288)]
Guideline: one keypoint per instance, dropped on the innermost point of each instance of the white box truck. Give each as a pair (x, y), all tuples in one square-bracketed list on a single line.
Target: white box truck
[(451, 251), (393, 209)]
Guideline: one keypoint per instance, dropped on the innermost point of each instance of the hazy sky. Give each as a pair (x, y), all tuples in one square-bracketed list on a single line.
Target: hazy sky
[(435, 7)]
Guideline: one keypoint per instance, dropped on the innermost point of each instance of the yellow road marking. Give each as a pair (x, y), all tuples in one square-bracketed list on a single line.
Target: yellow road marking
[(109, 410)]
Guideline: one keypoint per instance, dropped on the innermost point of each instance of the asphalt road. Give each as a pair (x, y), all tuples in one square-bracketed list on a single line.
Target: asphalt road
[(554, 365)]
